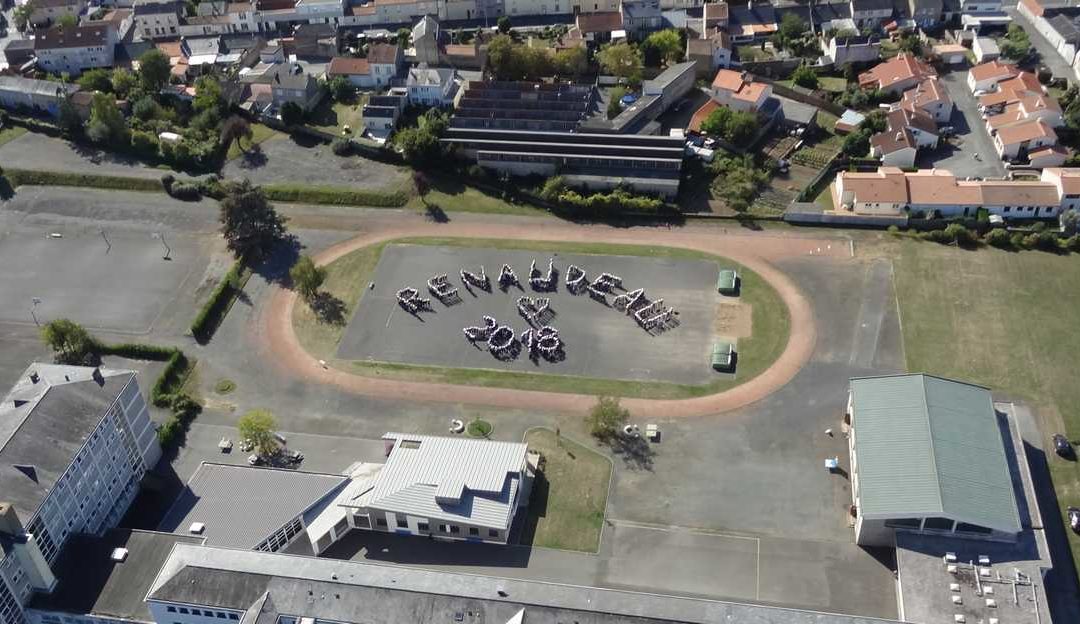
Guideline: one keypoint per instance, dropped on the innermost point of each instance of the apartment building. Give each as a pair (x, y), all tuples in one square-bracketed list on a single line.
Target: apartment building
[(48, 12), (220, 18), (74, 49), (74, 444), (871, 13), (431, 86)]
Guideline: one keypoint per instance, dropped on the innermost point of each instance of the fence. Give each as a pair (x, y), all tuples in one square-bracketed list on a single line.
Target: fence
[(805, 98)]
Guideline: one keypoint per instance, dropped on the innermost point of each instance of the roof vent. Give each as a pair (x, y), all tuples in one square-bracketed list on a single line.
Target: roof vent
[(34, 378), (956, 600), (197, 528), (119, 554), (954, 587), (27, 470), (991, 603), (959, 618)]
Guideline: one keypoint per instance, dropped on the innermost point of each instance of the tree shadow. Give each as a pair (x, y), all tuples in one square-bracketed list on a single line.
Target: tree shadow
[(634, 451), (328, 308), (253, 158), (435, 213), (274, 266)]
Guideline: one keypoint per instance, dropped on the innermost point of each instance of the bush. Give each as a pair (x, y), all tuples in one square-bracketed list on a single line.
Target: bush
[(186, 191), (212, 187), (341, 146), (21, 177), (135, 351), (616, 201), (1073, 243), (217, 306), (1018, 240), (606, 418), (957, 233), (171, 379), (998, 237), (1045, 241), (144, 144), (167, 182), (477, 172), (335, 196), (892, 229)]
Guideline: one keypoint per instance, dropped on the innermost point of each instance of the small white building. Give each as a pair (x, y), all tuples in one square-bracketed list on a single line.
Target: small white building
[(1019, 139), (986, 76), (985, 49), (738, 91), (927, 456)]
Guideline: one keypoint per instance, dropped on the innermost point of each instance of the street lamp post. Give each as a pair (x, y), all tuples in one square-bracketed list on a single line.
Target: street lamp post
[(168, 252), (33, 314)]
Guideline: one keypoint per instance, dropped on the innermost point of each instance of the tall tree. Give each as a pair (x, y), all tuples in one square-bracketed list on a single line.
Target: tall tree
[(153, 70), (68, 21), (291, 114), (107, 123), (235, 128), (69, 119), (123, 82), (208, 95), (69, 340), (96, 79), (667, 44), (249, 222), (572, 62), (606, 418), (503, 24), (258, 427), (307, 278), (622, 60)]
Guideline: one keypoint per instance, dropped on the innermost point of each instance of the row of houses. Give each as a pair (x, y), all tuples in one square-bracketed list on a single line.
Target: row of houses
[(891, 191)]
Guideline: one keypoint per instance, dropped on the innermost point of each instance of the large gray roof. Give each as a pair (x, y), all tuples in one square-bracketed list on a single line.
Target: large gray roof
[(16, 84), (242, 505), (352, 592), (929, 446), (43, 425), (455, 479), (91, 582)]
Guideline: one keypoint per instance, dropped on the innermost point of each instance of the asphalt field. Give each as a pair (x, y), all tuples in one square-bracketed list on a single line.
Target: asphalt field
[(121, 286), (599, 341)]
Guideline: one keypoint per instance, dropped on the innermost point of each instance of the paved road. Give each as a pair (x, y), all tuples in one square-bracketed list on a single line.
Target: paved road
[(958, 156)]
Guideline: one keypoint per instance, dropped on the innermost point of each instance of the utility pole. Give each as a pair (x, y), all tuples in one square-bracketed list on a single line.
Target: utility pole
[(168, 252), (35, 301)]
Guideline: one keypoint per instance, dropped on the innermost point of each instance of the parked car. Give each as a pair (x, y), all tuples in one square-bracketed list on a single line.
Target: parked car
[(1063, 447), (256, 460), (1074, 519)]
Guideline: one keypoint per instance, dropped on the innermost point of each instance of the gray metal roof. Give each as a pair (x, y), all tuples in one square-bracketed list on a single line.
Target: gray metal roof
[(44, 424), (91, 582), (15, 84), (930, 446), (242, 505), (455, 479), (353, 592)]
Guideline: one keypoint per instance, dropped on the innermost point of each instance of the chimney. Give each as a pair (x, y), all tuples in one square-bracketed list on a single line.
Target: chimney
[(34, 377), (25, 550)]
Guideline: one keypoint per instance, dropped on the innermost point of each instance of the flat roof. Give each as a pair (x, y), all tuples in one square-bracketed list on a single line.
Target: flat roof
[(89, 581), (929, 446), (241, 506), (44, 424), (353, 592)]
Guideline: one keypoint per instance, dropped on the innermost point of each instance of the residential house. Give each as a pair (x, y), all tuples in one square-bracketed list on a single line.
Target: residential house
[(316, 40), (1048, 157), (404, 11), (425, 41), (36, 96), (738, 91), (930, 97), (985, 77), (462, 9), (536, 7), (641, 17), (220, 18), (597, 27), (907, 131), (891, 191), (1016, 141), (356, 70), (976, 7), (121, 20), (985, 49), (715, 15), (1058, 21), (18, 52), (78, 441), (1067, 184), (578, 7), (939, 442), (709, 51), (75, 49), (320, 11), (48, 12), (897, 74), (381, 113), (871, 13), (157, 19), (199, 51), (925, 13), (1010, 91), (430, 86), (1028, 107), (290, 83), (385, 59), (843, 50)]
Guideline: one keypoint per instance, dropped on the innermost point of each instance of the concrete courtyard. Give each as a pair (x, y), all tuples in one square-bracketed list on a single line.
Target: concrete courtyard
[(598, 340), (958, 154)]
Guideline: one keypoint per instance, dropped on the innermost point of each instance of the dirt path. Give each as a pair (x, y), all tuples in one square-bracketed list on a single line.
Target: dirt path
[(754, 250)]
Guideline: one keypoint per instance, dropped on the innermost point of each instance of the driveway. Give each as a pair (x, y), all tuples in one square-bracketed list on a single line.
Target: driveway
[(958, 155), (1048, 56)]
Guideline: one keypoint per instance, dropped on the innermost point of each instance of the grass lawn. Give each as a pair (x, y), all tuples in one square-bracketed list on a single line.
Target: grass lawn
[(11, 133), (569, 495), (1006, 320), (332, 117), (452, 196), (348, 276), (259, 133), (832, 84), (824, 198)]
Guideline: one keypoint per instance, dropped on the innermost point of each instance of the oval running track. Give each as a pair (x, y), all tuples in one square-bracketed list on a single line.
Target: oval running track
[(754, 250)]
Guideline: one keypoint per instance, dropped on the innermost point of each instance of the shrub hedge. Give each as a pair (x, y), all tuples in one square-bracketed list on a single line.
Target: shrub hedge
[(20, 177), (221, 299), (135, 351), (335, 196), (172, 378)]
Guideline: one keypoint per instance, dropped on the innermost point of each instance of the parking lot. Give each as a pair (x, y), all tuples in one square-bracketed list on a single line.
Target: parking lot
[(598, 340), (958, 155), (282, 161)]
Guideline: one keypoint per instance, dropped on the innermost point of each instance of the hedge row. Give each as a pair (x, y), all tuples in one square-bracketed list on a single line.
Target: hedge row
[(135, 351), (335, 196), (217, 306), (172, 378), (20, 177)]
